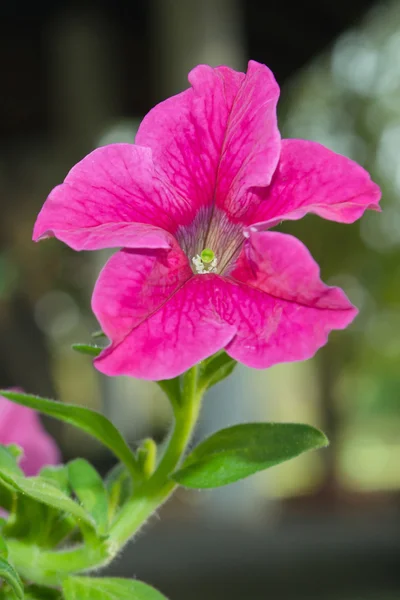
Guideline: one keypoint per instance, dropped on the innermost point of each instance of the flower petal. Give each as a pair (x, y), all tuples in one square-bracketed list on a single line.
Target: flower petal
[(159, 317), (284, 312), (311, 178), (218, 138), (113, 197)]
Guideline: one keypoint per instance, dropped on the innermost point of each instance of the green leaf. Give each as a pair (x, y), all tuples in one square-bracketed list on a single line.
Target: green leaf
[(58, 476), (8, 460), (215, 369), (98, 334), (96, 588), (16, 451), (92, 422), (239, 451), (53, 525), (8, 574), (3, 548), (90, 349), (36, 592), (42, 491), (89, 488)]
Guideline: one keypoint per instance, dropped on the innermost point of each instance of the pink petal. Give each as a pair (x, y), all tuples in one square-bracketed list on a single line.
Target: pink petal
[(218, 138), (22, 426), (113, 197), (161, 319), (311, 178), (283, 311)]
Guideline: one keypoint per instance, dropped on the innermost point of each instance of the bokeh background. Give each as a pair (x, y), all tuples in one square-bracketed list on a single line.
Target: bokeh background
[(78, 75)]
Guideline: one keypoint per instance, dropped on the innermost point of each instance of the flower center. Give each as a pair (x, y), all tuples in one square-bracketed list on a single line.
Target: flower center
[(205, 262)]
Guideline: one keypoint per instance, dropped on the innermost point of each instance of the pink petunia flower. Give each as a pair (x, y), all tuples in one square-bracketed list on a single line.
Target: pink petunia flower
[(21, 425), (191, 203)]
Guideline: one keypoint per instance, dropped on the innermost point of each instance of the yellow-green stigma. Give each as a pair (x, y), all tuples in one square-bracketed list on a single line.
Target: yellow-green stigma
[(205, 262), (207, 255)]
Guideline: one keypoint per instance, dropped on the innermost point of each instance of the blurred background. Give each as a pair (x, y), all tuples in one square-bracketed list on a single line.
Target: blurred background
[(79, 75)]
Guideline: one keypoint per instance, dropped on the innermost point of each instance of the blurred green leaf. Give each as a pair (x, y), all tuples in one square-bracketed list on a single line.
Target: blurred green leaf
[(96, 588), (239, 451), (8, 460), (88, 420), (89, 349), (58, 476), (3, 548), (8, 574), (98, 334), (89, 488), (29, 520), (36, 592)]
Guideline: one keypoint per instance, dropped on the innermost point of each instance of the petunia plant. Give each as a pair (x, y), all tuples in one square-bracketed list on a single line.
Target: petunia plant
[(199, 282)]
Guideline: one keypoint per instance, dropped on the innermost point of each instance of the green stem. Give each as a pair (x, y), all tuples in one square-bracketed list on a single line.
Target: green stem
[(159, 487), (49, 567)]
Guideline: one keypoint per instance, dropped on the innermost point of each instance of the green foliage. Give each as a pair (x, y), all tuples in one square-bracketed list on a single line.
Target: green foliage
[(8, 461), (93, 588), (3, 548), (89, 488), (58, 476), (11, 577), (31, 519), (239, 451), (172, 388), (98, 334), (42, 491), (215, 369), (89, 349), (119, 488), (90, 421), (36, 592), (147, 457), (212, 370)]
